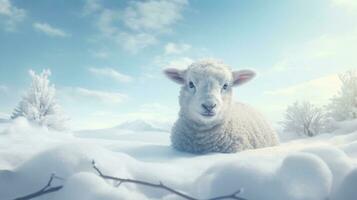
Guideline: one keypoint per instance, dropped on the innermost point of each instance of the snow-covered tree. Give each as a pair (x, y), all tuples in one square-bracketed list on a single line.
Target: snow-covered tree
[(343, 106), (39, 104), (304, 118)]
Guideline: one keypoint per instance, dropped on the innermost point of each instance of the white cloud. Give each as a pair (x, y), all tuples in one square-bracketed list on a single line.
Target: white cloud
[(100, 54), (156, 107), (317, 91), (106, 19), (111, 73), (179, 62), (91, 6), (174, 48), (273, 102), (10, 15), (157, 15), (141, 23), (135, 42), (49, 30), (3, 88), (346, 4), (329, 52), (105, 97), (130, 41)]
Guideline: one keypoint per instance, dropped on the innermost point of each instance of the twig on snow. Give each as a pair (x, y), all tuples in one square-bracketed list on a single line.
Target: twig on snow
[(45, 190), (48, 188), (160, 185)]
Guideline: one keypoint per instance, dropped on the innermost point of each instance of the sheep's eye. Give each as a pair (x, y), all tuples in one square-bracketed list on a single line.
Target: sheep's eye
[(191, 85), (225, 86)]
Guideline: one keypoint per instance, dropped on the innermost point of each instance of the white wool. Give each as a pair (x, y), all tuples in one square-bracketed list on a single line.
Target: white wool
[(234, 126)]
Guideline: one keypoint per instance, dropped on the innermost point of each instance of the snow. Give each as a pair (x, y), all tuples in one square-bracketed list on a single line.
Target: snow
[(140, 125), (314, 168), (3, 124), (344, 127)]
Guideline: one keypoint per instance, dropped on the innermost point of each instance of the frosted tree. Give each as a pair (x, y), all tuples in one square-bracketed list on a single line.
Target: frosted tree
[(304, 118), (343, 106), (39, 104)]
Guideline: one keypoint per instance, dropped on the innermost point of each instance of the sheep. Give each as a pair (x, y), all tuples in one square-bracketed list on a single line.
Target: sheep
[(209, 121)]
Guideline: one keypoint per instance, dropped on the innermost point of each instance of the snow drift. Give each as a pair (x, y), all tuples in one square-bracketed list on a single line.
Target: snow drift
[(306, 169)]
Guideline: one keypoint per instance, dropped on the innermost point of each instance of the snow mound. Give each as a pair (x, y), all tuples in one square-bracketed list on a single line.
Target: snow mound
[(347, 189), (95, 188), (307, 169), (300, 176), (337, 161), (20, 140), (64, 161)]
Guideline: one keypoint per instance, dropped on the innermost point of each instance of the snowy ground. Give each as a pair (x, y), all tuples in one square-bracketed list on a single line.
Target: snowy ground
[(324, 167)]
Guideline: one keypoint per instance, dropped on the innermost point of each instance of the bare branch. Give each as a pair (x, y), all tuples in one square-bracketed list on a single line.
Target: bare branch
[(118, 181), (230, 196), (45, 190), (162, 186)]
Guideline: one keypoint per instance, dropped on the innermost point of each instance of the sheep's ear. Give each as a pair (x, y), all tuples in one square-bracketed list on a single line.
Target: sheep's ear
[(175, 74), (242, 76)]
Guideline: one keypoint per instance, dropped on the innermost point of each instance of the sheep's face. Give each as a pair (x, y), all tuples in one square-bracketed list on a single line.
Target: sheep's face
[(207, 90)]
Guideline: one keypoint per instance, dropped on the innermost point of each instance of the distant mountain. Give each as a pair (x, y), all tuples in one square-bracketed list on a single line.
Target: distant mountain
[(4, 120), (139, 125)]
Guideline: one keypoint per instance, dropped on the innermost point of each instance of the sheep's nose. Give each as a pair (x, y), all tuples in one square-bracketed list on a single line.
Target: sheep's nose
[(208, 106)]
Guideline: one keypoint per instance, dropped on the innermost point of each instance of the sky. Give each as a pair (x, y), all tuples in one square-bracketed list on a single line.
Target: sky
[(107, 57)]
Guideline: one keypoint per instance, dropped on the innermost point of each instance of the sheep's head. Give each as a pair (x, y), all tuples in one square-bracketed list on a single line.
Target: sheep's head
[(206, 92)]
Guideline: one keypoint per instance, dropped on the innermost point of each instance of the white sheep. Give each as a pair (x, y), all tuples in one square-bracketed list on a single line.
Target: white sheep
[(208, 119)]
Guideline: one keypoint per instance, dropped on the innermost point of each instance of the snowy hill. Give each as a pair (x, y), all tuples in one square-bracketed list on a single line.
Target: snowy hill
[(4, 120), (139, 125), (137, 130), (304, 169), (4, 123)]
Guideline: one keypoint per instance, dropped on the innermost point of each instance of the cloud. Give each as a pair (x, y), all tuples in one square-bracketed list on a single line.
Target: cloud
[(91, 6), (129, 41), (330, 52), (105, 97), (156, 107), (139, 24), (49, 30), (350, 5), (100, 54), (317, 91), (3, 88), (178, 62), (153, 112), (10, 15), (135, 42), (273, 102), (153, 15), (111, 73), (324, 56), (106, 19), (180, 55), (174, 48)]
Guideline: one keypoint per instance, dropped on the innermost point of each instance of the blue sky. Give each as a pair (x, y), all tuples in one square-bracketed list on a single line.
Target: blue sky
[(106, 57)]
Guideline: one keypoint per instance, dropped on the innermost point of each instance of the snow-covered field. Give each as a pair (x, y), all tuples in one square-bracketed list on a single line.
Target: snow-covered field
[(323, 167)]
